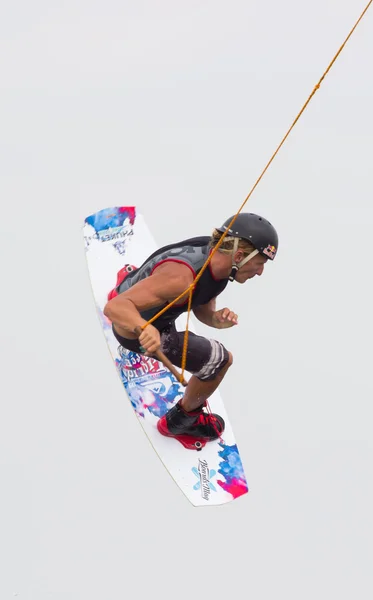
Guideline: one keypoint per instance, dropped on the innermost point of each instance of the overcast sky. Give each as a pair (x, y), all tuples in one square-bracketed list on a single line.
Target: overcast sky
[(175, 107)]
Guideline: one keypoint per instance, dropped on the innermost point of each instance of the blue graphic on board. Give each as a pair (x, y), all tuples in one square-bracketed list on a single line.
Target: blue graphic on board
[(112, 225), (232, 470), (111, 218), (149, 385), (197, 486)]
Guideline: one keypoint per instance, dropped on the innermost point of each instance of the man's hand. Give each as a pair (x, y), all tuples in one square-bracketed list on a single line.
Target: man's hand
[(224, 318), (150, 340)]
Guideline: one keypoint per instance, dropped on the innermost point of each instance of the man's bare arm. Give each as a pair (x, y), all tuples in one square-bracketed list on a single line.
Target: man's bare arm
[(205, 312), (219, 319), (168, 281)]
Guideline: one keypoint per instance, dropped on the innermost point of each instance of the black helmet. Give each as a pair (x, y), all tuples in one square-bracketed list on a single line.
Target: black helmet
[(254, 229)]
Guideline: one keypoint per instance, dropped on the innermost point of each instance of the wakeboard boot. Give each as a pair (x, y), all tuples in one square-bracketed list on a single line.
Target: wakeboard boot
[(192, 429)]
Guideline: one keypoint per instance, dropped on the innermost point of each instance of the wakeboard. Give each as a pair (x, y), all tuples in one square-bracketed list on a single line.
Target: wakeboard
[(118, 238)]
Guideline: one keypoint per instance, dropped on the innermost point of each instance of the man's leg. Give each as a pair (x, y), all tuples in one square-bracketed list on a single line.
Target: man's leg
[(198, 391), (207, 360)]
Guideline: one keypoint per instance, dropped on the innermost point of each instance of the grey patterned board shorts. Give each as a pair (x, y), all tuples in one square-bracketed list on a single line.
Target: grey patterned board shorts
[(205, 357)]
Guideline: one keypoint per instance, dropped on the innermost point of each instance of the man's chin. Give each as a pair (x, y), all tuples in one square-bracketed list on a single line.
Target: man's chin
[(248, 277)]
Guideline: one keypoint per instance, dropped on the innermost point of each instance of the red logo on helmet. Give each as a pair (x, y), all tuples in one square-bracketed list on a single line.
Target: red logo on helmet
[(270, 251)]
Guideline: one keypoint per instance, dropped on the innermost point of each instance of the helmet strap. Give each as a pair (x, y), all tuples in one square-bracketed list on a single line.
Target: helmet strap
[(237, 266), (247, 258)]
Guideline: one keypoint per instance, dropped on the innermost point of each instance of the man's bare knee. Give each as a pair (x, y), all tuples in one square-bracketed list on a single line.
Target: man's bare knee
[(230, 359)]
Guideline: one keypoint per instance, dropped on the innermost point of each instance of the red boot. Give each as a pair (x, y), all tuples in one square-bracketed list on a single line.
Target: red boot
[(192, 429)]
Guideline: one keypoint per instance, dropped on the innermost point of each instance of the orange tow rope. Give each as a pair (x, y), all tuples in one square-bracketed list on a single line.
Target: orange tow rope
[(192, 286)]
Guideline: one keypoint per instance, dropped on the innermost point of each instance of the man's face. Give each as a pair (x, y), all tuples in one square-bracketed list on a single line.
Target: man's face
[(253, 267)]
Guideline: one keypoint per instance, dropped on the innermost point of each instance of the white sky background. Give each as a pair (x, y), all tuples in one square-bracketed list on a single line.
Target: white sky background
[(176, 107)]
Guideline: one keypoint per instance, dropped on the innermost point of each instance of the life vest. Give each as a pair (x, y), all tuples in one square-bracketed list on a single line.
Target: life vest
[(121, 276)]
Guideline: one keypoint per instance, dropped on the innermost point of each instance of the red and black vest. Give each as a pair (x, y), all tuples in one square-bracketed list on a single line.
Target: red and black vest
[(192, 253)]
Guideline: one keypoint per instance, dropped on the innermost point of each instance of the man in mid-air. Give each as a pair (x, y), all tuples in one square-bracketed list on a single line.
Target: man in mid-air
[(164, 276)]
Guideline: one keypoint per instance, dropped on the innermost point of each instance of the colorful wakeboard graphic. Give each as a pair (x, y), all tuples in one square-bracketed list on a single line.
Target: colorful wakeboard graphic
[(115, 237)]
